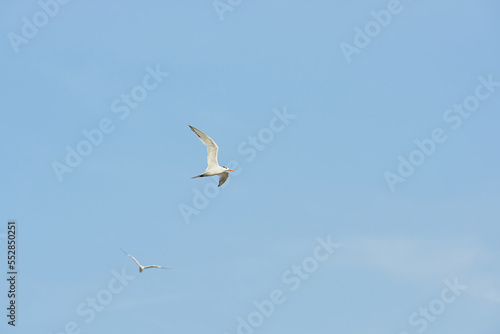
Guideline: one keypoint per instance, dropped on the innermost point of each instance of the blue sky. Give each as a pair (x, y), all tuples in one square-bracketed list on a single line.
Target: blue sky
[(428, 243)]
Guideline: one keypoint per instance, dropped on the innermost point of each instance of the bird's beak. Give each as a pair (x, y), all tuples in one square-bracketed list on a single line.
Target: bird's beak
[(229, 169)]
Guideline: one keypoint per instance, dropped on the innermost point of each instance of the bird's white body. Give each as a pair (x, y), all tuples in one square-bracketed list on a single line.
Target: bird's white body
[(214, 170), (141, 267), (213, 167)]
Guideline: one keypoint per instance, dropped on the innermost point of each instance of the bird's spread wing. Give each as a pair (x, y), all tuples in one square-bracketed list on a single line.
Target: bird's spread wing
[(153, 266), (212, 147), (222, 178), (133, 258)]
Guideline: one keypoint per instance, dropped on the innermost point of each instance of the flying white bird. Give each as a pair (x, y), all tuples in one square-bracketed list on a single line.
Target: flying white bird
[(141, 268), (213, 167)]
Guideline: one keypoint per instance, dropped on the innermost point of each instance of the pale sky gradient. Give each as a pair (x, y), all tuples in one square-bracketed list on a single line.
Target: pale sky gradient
[(318, 174)]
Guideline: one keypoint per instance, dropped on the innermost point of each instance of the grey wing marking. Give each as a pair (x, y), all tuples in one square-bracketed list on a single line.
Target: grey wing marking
[(222, 178)]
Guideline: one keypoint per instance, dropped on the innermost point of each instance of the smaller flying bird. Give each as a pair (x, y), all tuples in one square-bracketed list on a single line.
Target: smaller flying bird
[(141, 268), (213, 167)]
